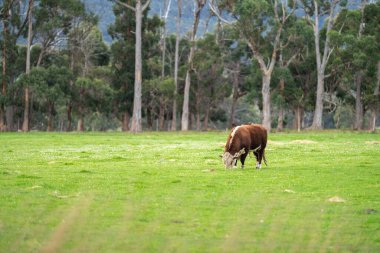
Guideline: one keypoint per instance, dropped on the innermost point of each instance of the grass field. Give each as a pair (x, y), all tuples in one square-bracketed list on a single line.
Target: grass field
[(169, 192)]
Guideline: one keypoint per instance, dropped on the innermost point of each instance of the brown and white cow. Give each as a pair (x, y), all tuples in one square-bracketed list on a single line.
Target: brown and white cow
[(243, 139)]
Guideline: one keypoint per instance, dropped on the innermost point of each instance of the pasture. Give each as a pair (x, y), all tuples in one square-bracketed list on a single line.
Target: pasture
[(169, 192)]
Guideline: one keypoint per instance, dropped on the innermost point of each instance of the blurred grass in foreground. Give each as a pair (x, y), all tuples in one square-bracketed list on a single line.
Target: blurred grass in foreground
[(168, 192)]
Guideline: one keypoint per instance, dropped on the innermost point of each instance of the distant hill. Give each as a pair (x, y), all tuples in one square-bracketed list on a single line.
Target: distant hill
[(103, 8)]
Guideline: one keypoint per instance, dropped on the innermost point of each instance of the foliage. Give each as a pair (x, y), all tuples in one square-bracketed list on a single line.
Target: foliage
[(74, 70)]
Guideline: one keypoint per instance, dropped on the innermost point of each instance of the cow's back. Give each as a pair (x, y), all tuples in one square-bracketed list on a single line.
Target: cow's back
[(246, 136), (258, 136), (239, 138)]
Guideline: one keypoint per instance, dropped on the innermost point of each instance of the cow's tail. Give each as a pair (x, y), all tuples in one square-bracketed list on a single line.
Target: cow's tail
[(265, 160)]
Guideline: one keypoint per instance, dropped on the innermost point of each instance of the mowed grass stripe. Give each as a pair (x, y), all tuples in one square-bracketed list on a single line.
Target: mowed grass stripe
[(168, 192)]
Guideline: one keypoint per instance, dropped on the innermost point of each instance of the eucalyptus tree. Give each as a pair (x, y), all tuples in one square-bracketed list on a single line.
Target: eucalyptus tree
[(158, 96), (138, 9), (299, 93), (48, 87), (14, 20), (372, 20), (261, 24), (53, 21), (25, 124), (211, 87), (299, 41), (236, 59), (356, 57), (317, 13), (123, 52), (164, 18), (185, 107), (95, 94), (86, 44), (176, 63)]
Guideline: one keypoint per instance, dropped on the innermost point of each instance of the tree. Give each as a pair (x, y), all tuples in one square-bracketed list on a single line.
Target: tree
[(14, 16), (86, 43), (210, 86), (185, 108), (25, 124), (53, 22), (136, 116), (355, 58), (372, 19), (163, 36), (158, 94), (299, 95), (235, 54), (176, 63), (314, 11), (298, 36), (261, 22)]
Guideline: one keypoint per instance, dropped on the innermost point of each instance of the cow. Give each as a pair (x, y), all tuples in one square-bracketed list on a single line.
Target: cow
[(243, 139)]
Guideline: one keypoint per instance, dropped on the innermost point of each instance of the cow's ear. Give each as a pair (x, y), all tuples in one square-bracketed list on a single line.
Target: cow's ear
[(220, 156)]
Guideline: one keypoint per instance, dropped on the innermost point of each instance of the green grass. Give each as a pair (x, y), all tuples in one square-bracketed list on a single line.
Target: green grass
[(168, 192)]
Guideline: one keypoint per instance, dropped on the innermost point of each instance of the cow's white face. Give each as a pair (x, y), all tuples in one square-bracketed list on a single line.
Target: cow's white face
[(230, 160)]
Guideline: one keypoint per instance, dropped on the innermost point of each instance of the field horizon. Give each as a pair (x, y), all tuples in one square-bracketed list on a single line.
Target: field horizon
[(169, 192)]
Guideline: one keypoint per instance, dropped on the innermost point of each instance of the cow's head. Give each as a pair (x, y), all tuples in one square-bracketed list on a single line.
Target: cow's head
[(230, 160)]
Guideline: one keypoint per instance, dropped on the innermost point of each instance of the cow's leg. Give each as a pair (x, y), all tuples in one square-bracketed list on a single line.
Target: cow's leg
[(242, 159), (259, 159)]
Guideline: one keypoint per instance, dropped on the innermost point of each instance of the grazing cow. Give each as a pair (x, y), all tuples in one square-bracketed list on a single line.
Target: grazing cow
[(241, 141)]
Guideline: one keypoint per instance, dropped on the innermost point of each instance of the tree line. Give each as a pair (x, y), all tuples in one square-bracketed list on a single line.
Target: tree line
[(286, 64)]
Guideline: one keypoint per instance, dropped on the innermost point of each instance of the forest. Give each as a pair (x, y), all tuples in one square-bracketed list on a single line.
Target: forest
[(295, 64)]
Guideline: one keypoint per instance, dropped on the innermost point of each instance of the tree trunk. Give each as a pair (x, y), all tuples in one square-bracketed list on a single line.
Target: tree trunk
[(9, 115), (206, 118), (231, 120), (126, 118), (375, 108), (136, 116), (80, 126), (176, 62), (321, 61), (50, 117), (358, 125), (69, 120), (162, 116), (198, 113), (2, 119), (136, 125), (40, 57), (25, 124), (298, 111), (235, 94), (372, 121), (4, 68), (149, 118), (186, 95), (185, 107), (266, 70), (4, 84), (165, 18), (266, 102), (318, 112), (280, 123)]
